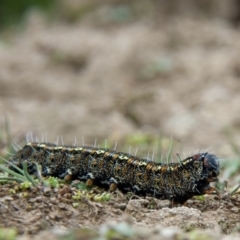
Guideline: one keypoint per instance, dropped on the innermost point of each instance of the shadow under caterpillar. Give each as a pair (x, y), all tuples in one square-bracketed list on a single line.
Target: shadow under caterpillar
[(177, 182)]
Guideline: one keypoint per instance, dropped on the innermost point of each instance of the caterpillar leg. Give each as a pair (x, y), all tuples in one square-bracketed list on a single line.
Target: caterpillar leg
[(68, 177), (90, 182), (113, 187), (211, 191)]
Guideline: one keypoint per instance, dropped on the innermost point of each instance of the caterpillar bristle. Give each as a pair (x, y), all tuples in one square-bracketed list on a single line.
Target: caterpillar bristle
[(152, 156), (115, 147), (136, 151), (129, 150), (62, 140), (16, 147), (95, 142)]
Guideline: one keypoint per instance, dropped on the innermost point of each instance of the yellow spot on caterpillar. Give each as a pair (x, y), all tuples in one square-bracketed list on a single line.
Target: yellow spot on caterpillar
[(78, 149), (122, 157), (149, 166), (41, 145), (154, 168), (106, 154), (136, 162), (100, 151), (142, 164), (93, 151), (130, 160), (186, 162), (58, 148), (164, 168), (115, 156)]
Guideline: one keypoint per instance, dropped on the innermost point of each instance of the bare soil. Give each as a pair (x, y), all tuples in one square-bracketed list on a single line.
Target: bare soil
[(40, 211), (99, 78)]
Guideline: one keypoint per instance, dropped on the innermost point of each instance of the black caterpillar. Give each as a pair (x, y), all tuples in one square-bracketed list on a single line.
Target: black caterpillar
[(177, 182)]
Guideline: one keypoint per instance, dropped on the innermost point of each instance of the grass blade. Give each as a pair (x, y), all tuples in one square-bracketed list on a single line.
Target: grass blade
[(26, 174), (17, 175), (11, 179), (13, 165)]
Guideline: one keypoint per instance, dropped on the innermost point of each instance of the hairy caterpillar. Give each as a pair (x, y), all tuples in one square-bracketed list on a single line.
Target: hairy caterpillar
[(177, 182)]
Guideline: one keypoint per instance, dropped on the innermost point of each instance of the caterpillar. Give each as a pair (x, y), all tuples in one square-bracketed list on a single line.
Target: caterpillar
[(176, 182)]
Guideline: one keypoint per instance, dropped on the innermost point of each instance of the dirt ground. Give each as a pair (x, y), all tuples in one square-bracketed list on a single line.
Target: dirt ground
[(102, 77), (52, 213)]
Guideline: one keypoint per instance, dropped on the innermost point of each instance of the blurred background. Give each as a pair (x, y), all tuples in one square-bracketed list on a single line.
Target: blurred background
[(131, 72)]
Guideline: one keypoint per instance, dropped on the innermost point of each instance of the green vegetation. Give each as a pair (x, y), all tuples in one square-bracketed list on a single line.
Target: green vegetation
[(12, 12), (91, 195), (8, 234), (22, 176)]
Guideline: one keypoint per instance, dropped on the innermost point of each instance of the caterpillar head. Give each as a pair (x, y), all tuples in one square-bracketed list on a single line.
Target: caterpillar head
[(211, 166)]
